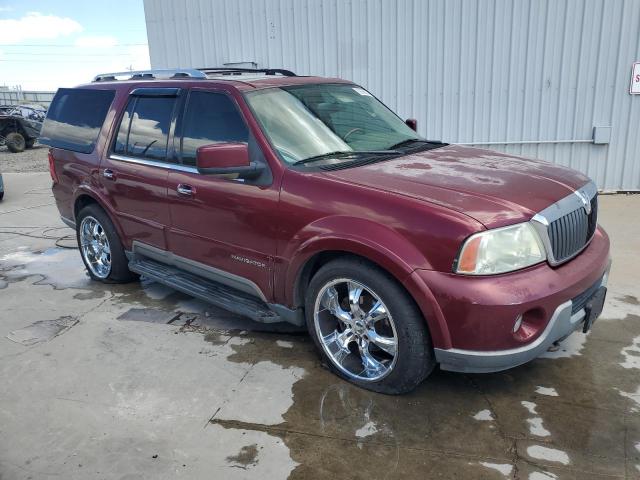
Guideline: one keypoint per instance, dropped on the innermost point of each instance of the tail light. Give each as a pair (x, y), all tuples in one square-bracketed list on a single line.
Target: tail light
[(52, 168)]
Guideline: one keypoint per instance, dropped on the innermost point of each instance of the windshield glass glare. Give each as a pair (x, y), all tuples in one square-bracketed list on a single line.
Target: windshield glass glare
[(311, 120)]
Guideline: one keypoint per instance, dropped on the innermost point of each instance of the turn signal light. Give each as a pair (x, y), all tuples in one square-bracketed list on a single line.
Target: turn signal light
[(467, 260)]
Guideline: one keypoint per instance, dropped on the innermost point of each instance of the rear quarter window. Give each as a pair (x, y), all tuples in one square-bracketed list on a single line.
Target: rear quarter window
[(75, 118)]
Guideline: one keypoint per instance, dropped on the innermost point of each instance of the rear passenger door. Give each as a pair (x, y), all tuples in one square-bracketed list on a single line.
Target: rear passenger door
[(223, 228), (134, 174)]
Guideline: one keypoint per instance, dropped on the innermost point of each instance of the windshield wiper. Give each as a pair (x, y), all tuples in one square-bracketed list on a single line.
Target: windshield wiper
[(410, 141), (345, 153)]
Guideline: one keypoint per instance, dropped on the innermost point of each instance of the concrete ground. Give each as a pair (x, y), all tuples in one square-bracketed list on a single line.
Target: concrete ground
[(138, 381)]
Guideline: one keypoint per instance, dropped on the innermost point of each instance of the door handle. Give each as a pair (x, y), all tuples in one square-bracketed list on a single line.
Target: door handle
[(108, 174), (186, 190)]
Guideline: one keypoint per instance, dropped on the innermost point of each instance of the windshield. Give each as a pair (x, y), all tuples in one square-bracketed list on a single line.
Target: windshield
[(309, 121)]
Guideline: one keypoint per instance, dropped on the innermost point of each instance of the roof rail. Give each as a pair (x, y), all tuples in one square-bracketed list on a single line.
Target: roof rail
[(240, 71), (151, 74)]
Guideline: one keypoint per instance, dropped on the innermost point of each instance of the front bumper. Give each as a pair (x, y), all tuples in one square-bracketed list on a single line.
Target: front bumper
[(562, 324)]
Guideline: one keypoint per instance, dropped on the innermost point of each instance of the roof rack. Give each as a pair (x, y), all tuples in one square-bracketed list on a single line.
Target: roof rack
[(196, 73), (151, 74), (239, 71)]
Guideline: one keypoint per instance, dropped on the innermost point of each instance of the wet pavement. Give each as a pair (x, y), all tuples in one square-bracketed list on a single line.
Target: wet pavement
[(139, 381)]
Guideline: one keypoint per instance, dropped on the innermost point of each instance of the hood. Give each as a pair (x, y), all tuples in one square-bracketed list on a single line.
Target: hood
[(492, 187)]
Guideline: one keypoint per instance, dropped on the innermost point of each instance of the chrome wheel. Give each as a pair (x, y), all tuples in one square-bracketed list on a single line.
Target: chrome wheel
[(355, 330), (95, 247)]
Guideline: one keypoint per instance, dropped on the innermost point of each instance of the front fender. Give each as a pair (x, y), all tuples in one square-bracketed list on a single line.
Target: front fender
[(377, 243)]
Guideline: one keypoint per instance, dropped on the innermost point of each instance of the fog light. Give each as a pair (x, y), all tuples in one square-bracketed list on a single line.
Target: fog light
[(516, 326)]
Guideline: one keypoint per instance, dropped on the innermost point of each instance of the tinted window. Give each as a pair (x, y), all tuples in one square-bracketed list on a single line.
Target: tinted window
[(120, 145), (75, 118), (210, 118), (149, 129)]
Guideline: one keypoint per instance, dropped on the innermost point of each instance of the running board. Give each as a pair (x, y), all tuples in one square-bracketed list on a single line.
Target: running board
[(219, 295)]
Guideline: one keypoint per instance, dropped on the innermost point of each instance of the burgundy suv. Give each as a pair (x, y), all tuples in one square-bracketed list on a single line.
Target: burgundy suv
[(306, 200)]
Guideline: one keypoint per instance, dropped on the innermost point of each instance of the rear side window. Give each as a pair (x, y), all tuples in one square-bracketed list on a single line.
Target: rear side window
[(144, 128), (75, 118), (210, 118)]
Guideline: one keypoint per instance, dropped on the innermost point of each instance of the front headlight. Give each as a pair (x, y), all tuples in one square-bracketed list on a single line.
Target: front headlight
[(500, 250)]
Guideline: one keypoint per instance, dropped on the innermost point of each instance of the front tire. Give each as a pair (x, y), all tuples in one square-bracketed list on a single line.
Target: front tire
[(100, 247), (367, 328)]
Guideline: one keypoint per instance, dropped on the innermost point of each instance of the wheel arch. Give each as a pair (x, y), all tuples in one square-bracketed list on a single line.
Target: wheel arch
[(318, 251), (85, 197)]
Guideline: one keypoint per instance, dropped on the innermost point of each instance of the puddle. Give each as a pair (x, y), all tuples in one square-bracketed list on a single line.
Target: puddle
[(631, 355), (41, 331), (436, 426), (148, 315), (630, 299), (617, 307), (634, 397), (58, 267), (63, 269), (570, 347)]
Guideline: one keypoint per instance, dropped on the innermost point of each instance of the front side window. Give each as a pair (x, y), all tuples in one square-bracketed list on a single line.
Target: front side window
[(144, 128), (210, 118), (307, 121)]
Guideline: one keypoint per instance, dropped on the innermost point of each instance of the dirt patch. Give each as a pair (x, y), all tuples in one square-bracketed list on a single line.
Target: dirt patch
[(31, 160), (248, 456), (630, 299)]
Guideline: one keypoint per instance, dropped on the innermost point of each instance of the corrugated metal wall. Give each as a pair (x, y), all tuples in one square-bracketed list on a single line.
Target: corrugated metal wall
[(469, 71)]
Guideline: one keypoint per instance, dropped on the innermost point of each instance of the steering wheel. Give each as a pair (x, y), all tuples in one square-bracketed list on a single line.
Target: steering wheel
[(353, 130)]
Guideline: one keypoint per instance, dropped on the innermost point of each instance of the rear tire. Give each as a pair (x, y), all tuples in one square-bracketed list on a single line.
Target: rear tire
[(378, 340), (100, 247), (15, 142)]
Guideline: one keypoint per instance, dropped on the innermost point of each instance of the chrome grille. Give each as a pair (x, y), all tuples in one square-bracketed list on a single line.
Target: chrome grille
[(565, 227), (571, 232)]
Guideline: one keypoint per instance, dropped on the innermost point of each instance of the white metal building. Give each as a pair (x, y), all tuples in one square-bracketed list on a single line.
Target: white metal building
[(532, 77)]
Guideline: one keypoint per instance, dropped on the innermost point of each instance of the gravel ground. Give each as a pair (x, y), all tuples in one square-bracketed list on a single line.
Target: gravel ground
[(31, 160)]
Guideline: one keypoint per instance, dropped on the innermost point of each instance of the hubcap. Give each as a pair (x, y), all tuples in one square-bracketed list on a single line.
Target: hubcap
[(95, 247), (355, 329)]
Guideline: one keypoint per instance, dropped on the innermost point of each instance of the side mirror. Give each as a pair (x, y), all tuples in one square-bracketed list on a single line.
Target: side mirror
[(225, 159), (412, 123)]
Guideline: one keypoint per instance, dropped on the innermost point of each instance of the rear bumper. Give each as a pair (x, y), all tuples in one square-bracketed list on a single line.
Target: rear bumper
[(561, 324)]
